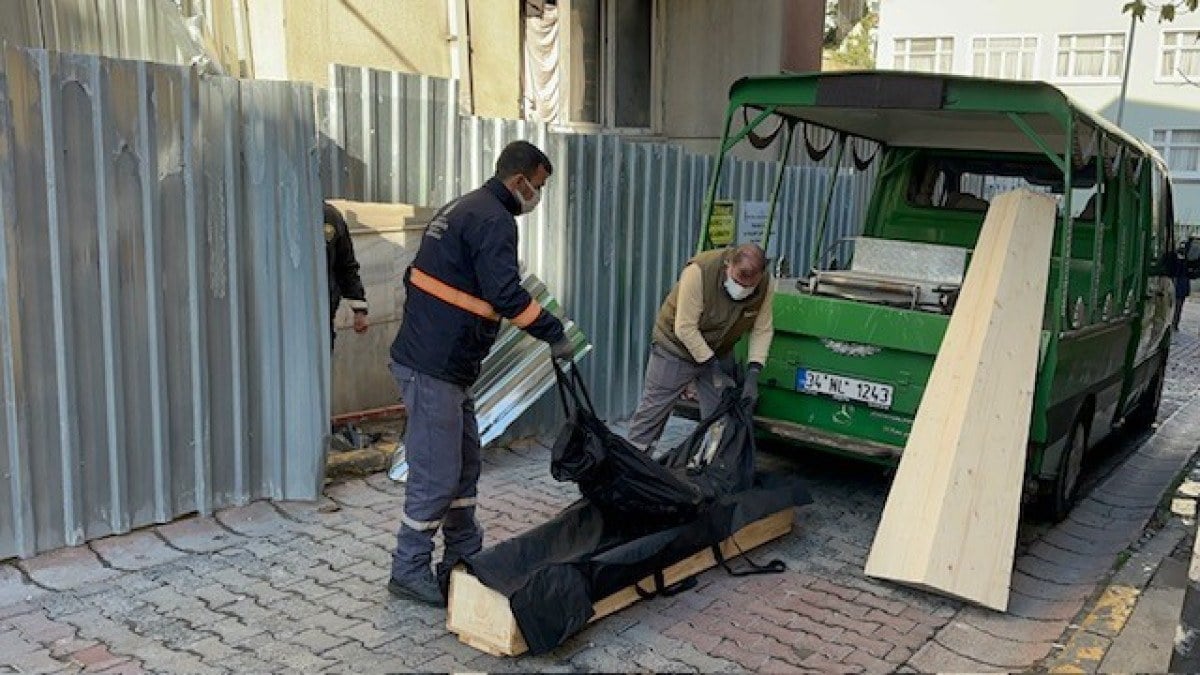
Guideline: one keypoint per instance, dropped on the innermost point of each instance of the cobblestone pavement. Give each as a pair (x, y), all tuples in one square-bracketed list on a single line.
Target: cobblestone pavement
[(300, 587)]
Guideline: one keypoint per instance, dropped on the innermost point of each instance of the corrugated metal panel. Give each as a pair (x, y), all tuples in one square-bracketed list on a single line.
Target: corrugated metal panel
[(617, 223), (393, 137), (154, 227), (147, 30)]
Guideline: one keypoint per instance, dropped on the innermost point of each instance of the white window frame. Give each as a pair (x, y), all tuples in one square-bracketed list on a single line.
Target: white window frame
[(1174, 77), (607, 84), (1086, 79), (1035, 65), (908, 53), (1165, 151)]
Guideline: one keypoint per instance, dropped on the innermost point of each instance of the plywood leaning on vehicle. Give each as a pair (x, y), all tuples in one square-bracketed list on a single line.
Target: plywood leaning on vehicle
[(950, 521)]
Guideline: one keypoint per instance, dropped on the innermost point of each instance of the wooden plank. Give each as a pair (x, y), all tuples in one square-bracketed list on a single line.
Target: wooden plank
[(950, 522), (482, 619), (383, 217)]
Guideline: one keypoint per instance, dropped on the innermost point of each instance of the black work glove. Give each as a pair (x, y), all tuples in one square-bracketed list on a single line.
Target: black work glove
[(563, 349), (750, 386)]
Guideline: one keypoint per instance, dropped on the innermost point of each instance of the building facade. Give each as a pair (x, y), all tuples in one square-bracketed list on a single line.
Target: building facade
[(659, 68), (1081, 46)]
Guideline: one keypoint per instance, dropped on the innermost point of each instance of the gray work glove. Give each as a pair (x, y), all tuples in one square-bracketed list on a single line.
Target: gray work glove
[(720, 379), (563, 349), (750, 386)]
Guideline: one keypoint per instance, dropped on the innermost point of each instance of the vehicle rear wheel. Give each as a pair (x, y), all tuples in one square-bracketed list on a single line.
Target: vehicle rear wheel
[(1064, 492), (1146, 412)]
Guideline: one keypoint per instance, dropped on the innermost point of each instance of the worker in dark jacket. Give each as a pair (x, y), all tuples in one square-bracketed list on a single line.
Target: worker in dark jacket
[(463, 280), (342, 266)]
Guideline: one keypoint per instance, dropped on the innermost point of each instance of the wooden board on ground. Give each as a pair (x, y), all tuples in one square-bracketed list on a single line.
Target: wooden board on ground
[(950, 522), (482, 619)]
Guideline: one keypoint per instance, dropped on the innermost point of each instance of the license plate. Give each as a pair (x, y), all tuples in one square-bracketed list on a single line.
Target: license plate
[(844, 388)]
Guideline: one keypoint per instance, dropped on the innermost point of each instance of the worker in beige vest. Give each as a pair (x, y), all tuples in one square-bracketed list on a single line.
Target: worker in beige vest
[(721, 296)]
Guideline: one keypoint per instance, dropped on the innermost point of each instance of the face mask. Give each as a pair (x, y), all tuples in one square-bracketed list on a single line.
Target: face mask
[(736, 290), (528, 203)]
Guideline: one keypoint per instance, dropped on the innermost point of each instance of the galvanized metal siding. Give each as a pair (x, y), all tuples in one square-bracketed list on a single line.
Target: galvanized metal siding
[(392, 137), (618, 221), (161, 253), (148, 30)]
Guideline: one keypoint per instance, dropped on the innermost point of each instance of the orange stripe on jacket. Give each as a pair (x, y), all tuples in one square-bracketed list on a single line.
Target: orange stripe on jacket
[(452, 296)]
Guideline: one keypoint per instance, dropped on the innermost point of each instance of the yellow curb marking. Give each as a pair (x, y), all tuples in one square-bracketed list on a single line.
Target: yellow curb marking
[(1105, 620), (1112, 610)]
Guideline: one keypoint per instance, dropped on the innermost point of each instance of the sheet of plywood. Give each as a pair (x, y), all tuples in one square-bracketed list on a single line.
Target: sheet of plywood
[(950, 522), (482, 619)]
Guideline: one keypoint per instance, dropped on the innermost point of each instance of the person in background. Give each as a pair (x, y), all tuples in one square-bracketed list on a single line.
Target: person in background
[(344, 282), (1182, 274), (464, 279), (721, 296)]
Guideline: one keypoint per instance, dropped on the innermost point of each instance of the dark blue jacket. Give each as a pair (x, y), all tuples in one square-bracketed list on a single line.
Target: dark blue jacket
[(471, 245)]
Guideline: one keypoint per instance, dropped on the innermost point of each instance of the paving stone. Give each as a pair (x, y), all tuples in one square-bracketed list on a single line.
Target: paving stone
[(961, 638), (1028, 607), (1056, 573), (199, 535), (258, 519), (934, 658), (1046, 590), (97, 657), (357, 493), (135, 551), (67, 568), (14, 589), (234, 631), (317, 640), (35, 627), (1099, 563), (1009, 627), (157, 658)]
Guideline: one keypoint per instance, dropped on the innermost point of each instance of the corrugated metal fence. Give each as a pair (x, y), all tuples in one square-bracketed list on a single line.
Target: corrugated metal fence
[(618, 221), (146, 30), (160, 258)]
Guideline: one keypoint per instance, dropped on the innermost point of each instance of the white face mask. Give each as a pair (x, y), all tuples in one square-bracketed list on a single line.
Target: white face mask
[(528, 203), (735, 290)]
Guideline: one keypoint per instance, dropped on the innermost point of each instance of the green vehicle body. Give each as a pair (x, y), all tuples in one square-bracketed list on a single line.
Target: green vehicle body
[(1105, 334)]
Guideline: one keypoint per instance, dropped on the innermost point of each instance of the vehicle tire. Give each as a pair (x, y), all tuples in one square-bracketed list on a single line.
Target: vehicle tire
[(1064, 492), (1142, 417)]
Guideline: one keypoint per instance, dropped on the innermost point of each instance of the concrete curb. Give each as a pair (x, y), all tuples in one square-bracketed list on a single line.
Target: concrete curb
[(1186, 656)]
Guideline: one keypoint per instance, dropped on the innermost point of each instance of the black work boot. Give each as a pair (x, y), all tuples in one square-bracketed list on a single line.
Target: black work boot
[(422, 589)]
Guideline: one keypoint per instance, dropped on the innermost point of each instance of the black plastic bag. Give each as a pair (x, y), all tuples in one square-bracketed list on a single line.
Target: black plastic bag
[(716, 459)]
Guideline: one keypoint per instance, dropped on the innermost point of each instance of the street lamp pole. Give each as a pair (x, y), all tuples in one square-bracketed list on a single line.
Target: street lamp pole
[(1125, 75)]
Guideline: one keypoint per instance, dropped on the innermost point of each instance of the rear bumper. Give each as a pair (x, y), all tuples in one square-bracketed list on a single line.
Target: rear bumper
[(818, 438)]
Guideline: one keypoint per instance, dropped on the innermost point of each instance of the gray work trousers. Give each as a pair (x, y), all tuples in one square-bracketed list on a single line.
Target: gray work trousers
[(667, 376), (441, 444)]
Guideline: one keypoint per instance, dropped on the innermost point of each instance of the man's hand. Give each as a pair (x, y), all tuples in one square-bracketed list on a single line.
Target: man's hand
[(750, 386), (563, 350), (360, 322), (720, 379)]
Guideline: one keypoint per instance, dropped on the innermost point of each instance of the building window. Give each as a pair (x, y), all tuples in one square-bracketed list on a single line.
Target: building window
[(1180, 55), (1006, 57), (927, 55), (1181, 149), (1092, 56), (612, 63)]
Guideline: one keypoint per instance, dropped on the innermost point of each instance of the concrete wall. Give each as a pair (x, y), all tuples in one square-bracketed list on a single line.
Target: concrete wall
[(1151, 102), (298, 39), (706, 45), (408, 36), (496, 58)]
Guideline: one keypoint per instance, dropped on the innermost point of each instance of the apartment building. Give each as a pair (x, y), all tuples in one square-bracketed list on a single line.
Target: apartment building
[(1081, 46)]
